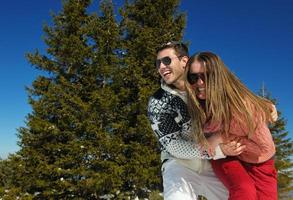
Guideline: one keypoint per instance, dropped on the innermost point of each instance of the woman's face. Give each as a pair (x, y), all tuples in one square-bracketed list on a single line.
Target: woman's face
[(197, 77)]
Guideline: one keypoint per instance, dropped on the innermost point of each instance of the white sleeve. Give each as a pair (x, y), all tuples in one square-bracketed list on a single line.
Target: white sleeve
[(219, 153), (183, 149)]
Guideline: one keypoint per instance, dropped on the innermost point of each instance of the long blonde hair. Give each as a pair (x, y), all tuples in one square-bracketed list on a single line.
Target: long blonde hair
[(226, 96)]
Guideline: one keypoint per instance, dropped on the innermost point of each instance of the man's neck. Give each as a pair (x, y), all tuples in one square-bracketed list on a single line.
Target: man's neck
[(179, 85)]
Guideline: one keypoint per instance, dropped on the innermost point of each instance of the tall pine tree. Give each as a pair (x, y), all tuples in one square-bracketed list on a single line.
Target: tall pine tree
[(88, 136), (66, 147)]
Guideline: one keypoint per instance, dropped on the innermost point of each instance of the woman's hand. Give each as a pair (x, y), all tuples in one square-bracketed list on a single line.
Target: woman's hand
[(274, 113), (232, 148), (213, 141)]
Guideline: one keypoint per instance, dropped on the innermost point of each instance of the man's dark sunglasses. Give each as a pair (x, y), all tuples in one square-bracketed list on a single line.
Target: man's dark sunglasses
[(165, 60), (193, 77)]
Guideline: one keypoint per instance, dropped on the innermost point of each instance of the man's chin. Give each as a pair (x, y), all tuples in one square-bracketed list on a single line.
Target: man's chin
[(168, 81)]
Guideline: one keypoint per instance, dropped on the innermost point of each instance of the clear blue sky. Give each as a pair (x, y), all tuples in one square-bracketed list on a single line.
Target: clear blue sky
[(253, 37)]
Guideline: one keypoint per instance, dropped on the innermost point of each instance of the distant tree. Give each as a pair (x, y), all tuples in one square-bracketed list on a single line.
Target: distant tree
[(284, 149)]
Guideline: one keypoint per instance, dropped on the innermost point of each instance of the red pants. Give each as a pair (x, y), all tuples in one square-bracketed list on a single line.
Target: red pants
[(247, 181)]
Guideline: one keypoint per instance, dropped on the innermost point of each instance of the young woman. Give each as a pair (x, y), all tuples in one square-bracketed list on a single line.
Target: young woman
[(223, 109)]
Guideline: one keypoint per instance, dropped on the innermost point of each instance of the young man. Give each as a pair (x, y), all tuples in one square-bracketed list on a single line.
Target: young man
[(186, 171)]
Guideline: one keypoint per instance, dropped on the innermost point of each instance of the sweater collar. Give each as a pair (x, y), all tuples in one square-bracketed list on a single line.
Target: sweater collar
[(174, 91)]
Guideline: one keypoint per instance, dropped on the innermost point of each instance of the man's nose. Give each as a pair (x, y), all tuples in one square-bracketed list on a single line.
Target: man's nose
[(162, 65)]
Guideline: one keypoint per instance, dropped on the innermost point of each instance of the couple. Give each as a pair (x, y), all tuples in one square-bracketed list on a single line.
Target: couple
[(212, 130)]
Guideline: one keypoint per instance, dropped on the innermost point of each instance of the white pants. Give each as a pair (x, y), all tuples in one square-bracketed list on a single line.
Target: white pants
[(182, 183)]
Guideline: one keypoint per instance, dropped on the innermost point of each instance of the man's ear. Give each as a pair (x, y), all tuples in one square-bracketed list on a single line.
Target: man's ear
[(185, 60)]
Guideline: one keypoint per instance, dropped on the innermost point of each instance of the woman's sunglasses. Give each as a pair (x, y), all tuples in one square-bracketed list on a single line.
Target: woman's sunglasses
[(192, 78)]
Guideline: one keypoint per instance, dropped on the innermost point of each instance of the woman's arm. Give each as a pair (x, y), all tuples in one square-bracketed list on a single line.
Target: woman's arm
[(231, 148)]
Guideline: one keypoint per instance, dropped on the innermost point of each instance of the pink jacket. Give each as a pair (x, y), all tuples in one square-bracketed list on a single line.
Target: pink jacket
[(260, 146)]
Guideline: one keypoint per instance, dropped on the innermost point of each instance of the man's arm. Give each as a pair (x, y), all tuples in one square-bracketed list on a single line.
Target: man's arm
[(172, 130)]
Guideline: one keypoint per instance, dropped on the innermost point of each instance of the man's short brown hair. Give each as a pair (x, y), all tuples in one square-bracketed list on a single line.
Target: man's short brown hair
[(180, 48)]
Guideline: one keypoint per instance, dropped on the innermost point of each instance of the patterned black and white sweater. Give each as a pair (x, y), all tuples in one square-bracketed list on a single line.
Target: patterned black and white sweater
[(171, 123)]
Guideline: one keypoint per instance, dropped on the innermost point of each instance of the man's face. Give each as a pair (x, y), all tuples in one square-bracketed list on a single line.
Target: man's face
[(171, 73), (197, 70)]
